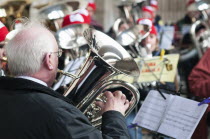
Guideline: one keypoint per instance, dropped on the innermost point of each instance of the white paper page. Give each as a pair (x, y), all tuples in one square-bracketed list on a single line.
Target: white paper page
[(152, 110), (167, 37), (182, 118), (185, 29)]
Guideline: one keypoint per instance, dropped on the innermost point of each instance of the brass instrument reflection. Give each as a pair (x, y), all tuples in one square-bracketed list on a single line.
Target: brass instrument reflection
[(3, 59)]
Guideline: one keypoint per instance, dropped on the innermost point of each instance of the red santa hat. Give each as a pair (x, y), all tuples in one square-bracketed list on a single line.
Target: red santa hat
[(81, 16), (145, 21), (3, 32), (154, 4), (153, 30), (148, 9)]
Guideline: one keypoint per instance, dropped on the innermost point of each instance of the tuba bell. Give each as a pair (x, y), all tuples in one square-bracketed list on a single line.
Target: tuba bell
[(131, 10), (106, 59), (52, 15), (130, 38)]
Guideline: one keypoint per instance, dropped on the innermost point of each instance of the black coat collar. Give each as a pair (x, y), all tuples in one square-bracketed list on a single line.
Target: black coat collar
[(11, 83)]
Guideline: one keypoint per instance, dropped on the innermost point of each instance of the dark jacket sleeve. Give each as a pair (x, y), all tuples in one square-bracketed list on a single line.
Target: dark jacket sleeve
[(72, 124), (114, 125), (199, 78)]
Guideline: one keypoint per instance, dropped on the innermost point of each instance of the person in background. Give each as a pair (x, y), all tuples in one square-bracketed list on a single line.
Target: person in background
[(82, 16), (91, 8), (157, 21), (148, 12), (150, 43), (80, 19), (199, 85), (74, 57), (185, 44), (182, 26), (31, 109)]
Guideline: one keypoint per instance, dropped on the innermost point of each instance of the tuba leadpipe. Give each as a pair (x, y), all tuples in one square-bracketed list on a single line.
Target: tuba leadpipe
[(67, 74)]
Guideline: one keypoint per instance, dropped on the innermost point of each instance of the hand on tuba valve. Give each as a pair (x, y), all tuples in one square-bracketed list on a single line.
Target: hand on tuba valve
[(94, 81), (114, 101)]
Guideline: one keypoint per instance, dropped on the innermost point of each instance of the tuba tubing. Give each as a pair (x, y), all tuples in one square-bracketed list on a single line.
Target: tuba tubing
[(87, 104), (106, 59)]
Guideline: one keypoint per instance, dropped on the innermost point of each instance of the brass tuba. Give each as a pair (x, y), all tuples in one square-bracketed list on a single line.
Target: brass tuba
[(106, 59)]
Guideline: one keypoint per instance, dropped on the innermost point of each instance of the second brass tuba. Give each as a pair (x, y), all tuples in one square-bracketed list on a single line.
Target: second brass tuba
[(106, 59), (201, 38)]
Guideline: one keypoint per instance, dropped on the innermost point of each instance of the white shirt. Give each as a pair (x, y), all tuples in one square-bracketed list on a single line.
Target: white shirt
[(32, 79)]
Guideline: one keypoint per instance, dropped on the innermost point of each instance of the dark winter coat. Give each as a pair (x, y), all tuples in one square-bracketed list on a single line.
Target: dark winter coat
[(29, 110)]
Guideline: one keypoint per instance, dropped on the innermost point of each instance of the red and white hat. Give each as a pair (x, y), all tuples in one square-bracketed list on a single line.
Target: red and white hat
[(154, 4), (3, 31), (153, 30), (81, 16), (145, 21), (148, 9)]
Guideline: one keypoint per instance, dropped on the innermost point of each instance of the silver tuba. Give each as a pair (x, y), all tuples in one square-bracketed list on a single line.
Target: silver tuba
[(52, 15), (201, 40), (106, 59), (199, 30), (131, 10), (130, 38)]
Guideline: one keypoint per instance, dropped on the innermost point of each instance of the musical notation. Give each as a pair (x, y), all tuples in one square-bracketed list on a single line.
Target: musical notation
[(152, 111), (181, 118), (176, 116)]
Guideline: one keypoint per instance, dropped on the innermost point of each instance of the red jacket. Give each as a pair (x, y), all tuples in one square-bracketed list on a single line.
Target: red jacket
[(199, 78), (199, 84)]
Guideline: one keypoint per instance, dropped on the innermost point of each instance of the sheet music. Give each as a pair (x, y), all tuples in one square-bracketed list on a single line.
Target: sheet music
[(185, 29), (182, 118), (166, 37), (176, 116), (152, 111)]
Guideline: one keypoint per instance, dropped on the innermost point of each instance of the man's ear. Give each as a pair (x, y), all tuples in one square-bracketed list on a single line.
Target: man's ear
[(48, 61)]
